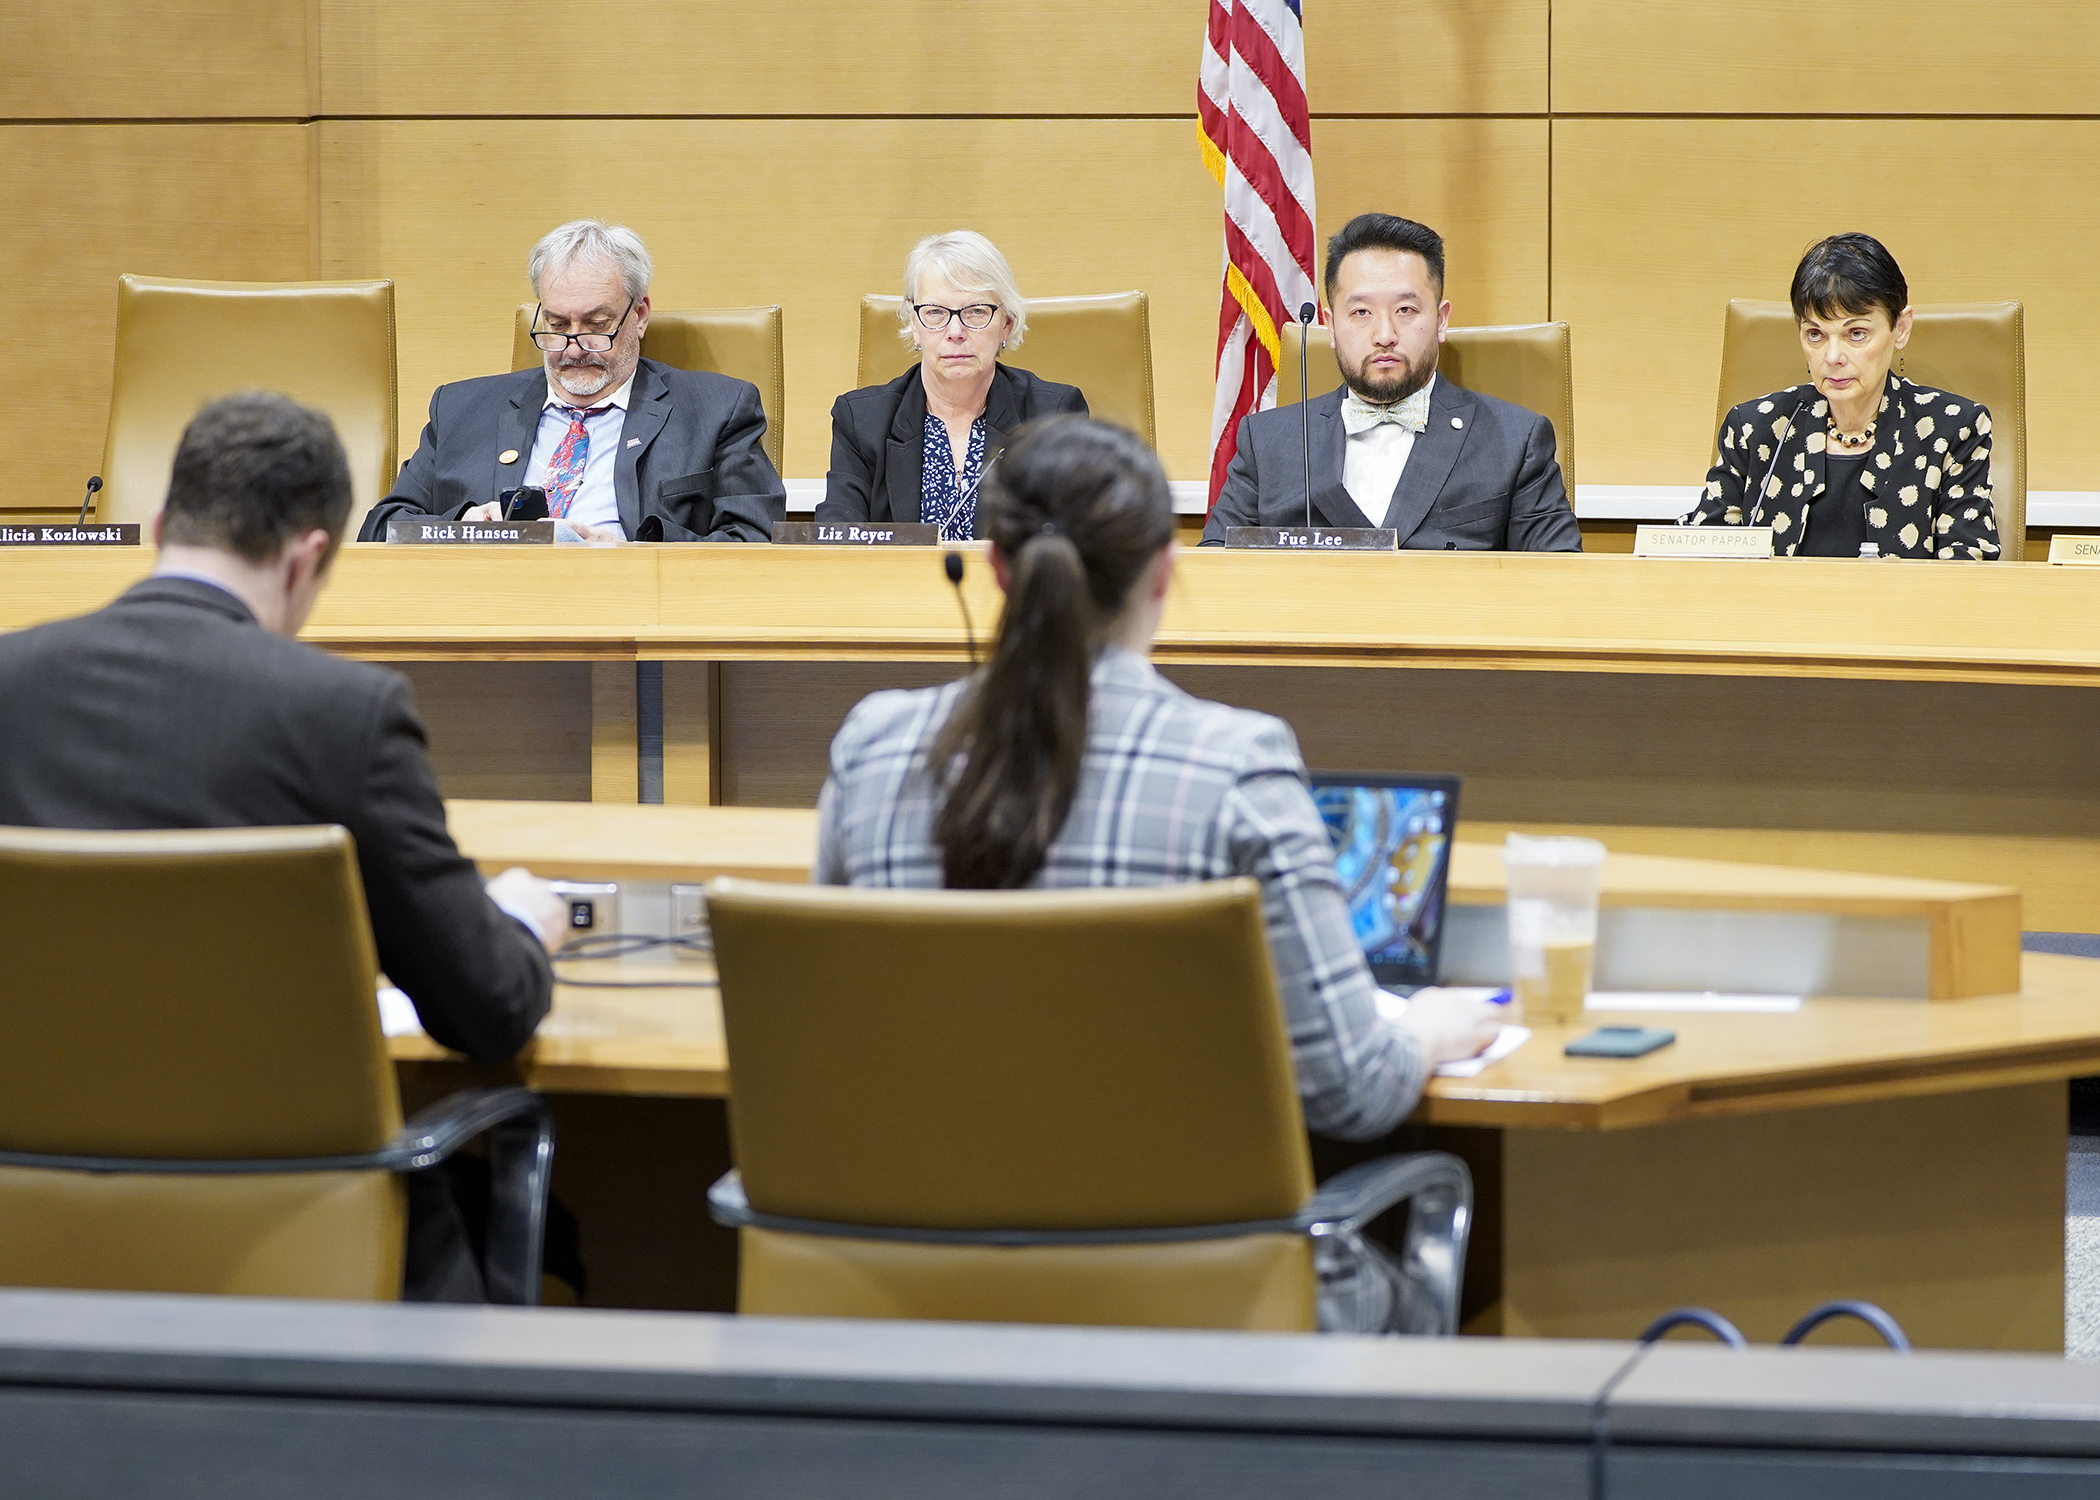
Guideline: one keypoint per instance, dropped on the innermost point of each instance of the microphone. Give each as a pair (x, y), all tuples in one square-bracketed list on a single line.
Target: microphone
[(1306, 313), (1766, 482), (952, 565), (94, 484)]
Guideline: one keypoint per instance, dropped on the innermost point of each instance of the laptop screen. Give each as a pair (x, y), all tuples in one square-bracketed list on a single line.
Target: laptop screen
[(1392, 849)]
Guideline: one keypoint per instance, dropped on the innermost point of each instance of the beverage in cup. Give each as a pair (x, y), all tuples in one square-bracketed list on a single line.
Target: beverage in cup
[(1552, 924)]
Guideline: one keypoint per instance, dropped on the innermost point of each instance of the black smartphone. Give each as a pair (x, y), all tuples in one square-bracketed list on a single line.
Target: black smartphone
[(527, 504), (1620, 1041)]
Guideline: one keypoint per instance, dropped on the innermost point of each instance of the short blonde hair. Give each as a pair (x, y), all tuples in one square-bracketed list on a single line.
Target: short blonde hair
[(969, 261)]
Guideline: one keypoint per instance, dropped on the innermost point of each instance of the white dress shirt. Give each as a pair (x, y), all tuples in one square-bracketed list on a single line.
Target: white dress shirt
[(1375, 456), (596, 503)]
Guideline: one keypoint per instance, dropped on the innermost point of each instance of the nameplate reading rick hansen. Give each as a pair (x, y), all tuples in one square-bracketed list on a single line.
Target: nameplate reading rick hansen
[(419, 531), (856, 534)]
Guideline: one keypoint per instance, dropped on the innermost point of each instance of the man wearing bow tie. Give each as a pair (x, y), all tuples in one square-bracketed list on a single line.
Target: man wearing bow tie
[(627, 448), (1447, 468)]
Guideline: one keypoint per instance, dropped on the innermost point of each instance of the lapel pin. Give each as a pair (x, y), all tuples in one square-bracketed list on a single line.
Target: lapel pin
[(634, 442), (1458, 421), (507, 456)]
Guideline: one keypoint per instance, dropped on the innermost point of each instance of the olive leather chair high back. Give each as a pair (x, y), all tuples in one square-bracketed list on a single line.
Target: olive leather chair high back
[(742, 342), (194, 1092), (1101, 344), (1072, 1106), (326, 344), (1530, 364), (1974, 349)]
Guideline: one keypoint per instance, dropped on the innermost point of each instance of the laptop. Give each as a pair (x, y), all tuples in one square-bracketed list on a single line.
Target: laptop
[(1392, 849)]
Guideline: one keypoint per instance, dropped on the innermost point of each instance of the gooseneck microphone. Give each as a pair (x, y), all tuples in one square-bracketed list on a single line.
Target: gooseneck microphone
[(1766, 482), (1306, 313), (94, 484), (952, 565)]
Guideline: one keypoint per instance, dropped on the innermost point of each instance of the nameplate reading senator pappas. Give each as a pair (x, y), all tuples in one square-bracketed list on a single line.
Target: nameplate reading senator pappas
[(69, 535), (2068, 547), (427, 533), (856, 534), (1702, 541)]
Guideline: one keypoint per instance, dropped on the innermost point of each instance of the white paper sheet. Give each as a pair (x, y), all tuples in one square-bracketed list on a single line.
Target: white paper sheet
[(1706, 1000), (1506, 1041), (397, 1013)]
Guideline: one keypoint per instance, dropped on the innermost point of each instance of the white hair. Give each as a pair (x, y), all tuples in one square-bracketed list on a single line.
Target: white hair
[(971, 263), (593, 242)]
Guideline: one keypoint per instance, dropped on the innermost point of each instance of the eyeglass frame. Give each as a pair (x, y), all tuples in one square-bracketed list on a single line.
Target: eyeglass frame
[(918, 311), (610, 335)]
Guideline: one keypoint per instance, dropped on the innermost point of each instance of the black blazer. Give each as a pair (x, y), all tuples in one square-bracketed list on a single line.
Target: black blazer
[(878, 439), (172, 708), (690, 468), (1482, 477)]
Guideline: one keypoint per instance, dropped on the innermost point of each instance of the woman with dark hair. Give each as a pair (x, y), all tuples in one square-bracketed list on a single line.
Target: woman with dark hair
[(1069, 761), (1859, 454)]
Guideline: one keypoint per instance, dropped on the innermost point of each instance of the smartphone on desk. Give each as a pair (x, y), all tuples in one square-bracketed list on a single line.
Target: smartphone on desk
[(1620, 1041)]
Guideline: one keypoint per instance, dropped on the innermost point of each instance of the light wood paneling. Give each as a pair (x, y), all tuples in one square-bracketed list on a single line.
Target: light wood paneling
[(814, 213), (170, 59), (911, 57), (1747, 57), (1657, 223), (80, 205)]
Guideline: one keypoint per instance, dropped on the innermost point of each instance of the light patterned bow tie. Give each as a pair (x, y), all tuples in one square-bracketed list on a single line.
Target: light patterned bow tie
[(1359, 415)]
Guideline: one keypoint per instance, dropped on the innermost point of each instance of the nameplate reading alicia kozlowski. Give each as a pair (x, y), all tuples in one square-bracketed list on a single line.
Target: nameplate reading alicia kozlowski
[(856, 534), (422, 531), (66, 534)]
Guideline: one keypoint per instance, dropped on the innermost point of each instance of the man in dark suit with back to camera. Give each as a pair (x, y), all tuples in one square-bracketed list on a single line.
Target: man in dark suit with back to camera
[(1398, 446), (187, 704), (627, 449)]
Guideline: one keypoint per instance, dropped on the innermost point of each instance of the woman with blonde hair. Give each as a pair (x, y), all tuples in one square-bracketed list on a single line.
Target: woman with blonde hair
[(915, 448)]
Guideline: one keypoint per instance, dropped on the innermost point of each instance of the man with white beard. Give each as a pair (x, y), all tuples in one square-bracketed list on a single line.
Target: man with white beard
[(626, 448)]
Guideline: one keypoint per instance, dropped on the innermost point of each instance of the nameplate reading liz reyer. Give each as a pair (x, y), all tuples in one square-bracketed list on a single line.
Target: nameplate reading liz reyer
[(412, 530), (2065, 547), (1702, 541), (856, 534), (1314, 538), (69, 535)]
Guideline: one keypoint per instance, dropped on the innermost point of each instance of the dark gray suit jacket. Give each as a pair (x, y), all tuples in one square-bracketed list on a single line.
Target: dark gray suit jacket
[(172, 708), (691, 468), (878, 439), (1482, 477)]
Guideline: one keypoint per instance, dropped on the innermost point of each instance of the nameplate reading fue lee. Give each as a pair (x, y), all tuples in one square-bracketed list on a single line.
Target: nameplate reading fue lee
[(409, 529), (856, 534), (1702, 541), (1314, 538), (68, 535), (2065, 547)]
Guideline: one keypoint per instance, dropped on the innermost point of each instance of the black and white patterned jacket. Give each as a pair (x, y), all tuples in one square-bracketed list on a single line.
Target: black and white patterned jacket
[(1927, 478)]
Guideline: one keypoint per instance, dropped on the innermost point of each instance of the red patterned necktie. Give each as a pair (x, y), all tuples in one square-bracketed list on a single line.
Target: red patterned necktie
[(565, 468)]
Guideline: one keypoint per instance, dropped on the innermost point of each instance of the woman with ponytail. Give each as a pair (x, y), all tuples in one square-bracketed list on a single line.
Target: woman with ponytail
[(1069, 761)]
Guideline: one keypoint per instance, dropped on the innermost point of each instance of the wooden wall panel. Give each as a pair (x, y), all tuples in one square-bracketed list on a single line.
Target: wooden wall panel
[(168, 59), (814, 213), (80, 204), (1867, 57), (909, 57), (1657, 223)]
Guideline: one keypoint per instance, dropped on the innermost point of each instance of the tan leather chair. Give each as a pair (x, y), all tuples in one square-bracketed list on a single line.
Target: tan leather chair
[(745, 343), (1102, 344), (194, 1092), (1034, 1107), (180, 344), (1530, 364), (1974, 349)]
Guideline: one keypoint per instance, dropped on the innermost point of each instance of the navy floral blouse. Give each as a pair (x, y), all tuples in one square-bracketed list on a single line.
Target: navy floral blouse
[(945, 498)]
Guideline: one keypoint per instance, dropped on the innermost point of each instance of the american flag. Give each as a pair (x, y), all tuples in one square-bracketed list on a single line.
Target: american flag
[(1257, 141)]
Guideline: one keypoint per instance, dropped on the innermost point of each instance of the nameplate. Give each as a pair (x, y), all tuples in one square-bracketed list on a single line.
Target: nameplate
[(2065, 547), (856, 534), (1702, 541), (1314, 538), (66, 534), (405, 530)]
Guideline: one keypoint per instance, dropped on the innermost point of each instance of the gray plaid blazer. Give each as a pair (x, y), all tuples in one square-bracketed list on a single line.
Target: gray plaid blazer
[(1173, 788)]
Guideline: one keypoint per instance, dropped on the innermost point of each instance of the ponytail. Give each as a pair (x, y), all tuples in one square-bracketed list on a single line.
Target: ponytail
[(1078, 509)]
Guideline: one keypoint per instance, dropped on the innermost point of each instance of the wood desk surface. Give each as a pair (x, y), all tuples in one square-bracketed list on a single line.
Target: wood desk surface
[(668, 1041), (1997, 622)]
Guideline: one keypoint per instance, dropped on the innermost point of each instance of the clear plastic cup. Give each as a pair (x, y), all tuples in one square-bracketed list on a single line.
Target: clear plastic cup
[(1552, 924)]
